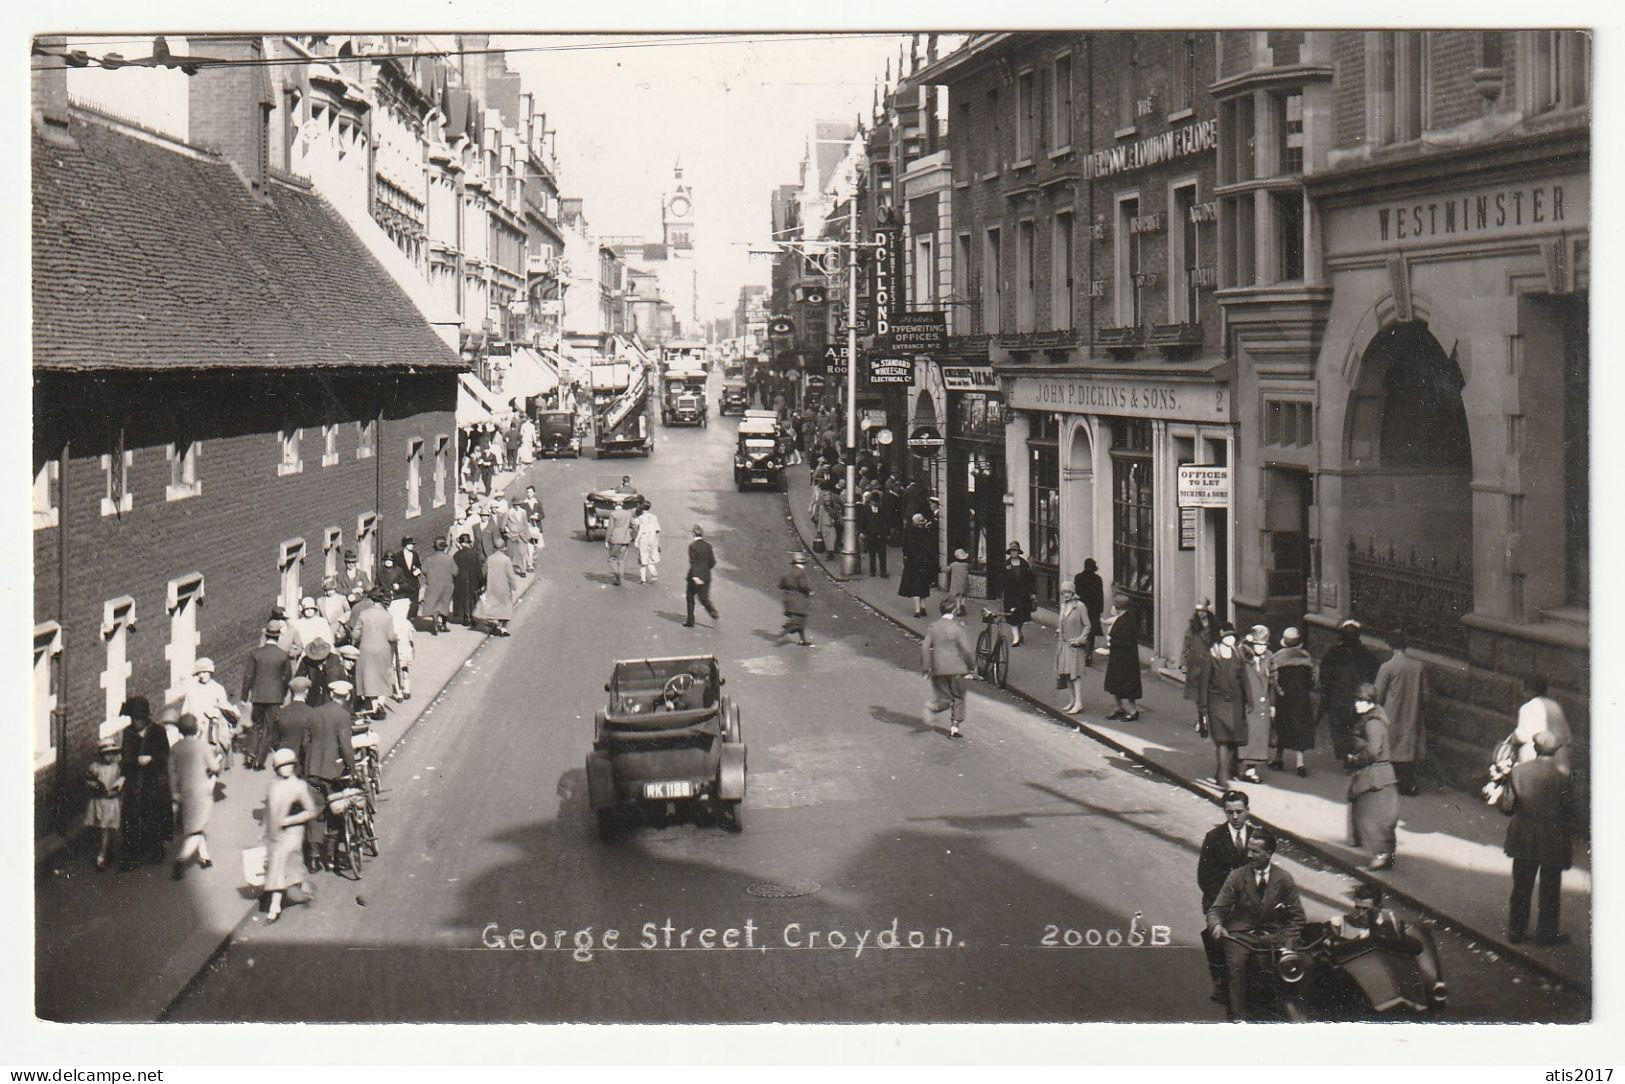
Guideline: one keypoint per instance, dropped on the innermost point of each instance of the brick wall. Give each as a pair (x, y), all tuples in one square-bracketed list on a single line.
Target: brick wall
[(1452, 98), (232, 531)]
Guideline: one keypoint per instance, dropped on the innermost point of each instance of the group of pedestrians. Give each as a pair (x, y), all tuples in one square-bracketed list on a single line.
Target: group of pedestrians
[(488, 552)]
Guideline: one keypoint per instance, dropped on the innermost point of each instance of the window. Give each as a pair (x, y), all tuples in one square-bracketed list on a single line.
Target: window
[(990, 149), (923, 275), (1127, 87), (1128, 263), (1395, 72), (1026, 276), (182, 599), (1289, 423), (1236, 240), (330, 444), (332, 551), (1133, 559), (1182, 81), (183, 480), (118, 618), (414, 477), (1236, 140), (1184, 254), (47, 493), (1558, 63), (366, 431), (1026, 121), (47, 668), (962, 284), (1061, 256), (442, 468), (116, 464), (1044, 507), (366, 541), (992, 283), (291, 574), (1287, 207), (290, 438), (963, 134), (1289, 124), (1061, 104)]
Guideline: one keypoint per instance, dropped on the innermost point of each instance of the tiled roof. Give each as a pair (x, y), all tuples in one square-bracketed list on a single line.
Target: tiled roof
[(149, 256)]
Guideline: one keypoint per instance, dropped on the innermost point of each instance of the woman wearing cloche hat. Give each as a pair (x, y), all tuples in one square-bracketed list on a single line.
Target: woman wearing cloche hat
[(1258, 682), (1294, 707), (1373, 788)]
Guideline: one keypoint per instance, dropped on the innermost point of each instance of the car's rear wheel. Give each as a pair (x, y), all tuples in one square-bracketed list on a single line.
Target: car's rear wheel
[(733, 815)]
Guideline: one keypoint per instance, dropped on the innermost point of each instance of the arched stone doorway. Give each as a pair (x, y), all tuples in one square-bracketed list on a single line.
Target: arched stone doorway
[(1078, 503), (1407, 494)]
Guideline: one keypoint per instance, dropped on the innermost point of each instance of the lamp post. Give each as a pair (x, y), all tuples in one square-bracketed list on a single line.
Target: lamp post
[(850, 560)]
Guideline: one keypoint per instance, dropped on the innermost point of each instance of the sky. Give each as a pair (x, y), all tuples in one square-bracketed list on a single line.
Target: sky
[(737, 112)]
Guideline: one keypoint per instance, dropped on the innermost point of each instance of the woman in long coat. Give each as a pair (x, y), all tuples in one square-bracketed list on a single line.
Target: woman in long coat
[(1018, 589), (1200, 636), (501, 589), (1294, 700), (1227, 716), (646, 537), (919, 563), (1123, 659), (1258, 681), (193, 766), (1373, 788), (289, 803), (1071, 651), (374, 634), (470, 577), (147, 818), (439, 585)]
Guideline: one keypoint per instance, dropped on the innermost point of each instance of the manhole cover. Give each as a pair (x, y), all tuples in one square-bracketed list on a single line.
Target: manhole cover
[(782, 890)]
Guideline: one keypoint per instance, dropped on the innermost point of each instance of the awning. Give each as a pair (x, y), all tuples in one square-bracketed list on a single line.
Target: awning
[(491, 407), (469, 410), (528, 374)]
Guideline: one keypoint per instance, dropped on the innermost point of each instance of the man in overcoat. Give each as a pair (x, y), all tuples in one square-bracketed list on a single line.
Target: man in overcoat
[(1400, 689), (796, 594), (265, 686), (1345, 667), (1540, 798), (701, 560), (946, 656)]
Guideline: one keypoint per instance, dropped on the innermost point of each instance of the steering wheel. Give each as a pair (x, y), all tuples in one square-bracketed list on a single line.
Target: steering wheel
[(677, 685)]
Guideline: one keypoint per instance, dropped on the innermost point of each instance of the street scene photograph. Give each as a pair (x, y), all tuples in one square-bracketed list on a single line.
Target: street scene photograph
[(1139, 571)]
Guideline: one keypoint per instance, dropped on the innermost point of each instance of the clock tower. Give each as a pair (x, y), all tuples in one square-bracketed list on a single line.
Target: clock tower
[(677, 216)]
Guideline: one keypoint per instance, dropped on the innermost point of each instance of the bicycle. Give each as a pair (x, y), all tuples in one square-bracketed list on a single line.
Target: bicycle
[(360, 837), (993, 648), (369, 767)]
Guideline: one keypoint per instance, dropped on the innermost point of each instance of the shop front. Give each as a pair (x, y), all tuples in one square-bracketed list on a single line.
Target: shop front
[(973, 477), (1099, 456)]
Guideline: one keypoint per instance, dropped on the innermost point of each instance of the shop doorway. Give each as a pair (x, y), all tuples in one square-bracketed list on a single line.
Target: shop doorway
[(1408, 495), (1078, 503)]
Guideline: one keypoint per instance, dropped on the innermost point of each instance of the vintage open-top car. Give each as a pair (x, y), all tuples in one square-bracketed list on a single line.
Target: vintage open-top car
[(667, 745), (605, 496), (556, 433)]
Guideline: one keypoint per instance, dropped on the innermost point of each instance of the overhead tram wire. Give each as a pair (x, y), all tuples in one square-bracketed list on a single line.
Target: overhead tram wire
[(642, 42)]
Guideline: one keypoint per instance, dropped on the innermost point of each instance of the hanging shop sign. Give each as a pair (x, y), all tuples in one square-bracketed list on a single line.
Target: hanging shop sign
[(835, 360), (1203, 486), (969, 378), (889, 369), (925, 440), (919, 332), (780, 325), (882, 279)]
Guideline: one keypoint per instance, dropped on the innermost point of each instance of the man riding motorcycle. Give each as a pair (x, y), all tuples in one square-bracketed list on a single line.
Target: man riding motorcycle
[(1256, 909)]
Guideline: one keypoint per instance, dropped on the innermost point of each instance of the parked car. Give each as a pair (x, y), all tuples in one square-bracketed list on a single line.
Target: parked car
[(667, 746)]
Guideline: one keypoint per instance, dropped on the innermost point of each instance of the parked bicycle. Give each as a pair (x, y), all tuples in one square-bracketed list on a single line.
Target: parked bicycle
[(360, 837), (369, 766), (993, 648)]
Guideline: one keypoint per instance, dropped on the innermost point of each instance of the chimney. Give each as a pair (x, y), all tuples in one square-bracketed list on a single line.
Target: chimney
[(50, 91), (229, 108)]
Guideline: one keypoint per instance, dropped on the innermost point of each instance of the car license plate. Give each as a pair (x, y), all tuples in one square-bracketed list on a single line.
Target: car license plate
[(677, 788)]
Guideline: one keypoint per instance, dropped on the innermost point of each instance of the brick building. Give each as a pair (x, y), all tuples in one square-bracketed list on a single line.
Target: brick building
[(1083, 189), (228, 391)]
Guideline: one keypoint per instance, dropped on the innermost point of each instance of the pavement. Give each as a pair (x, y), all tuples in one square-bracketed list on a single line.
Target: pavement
[(85, 919), (1450, 861)]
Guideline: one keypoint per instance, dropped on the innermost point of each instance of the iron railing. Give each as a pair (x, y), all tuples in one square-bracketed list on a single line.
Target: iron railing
[(1425, 596)]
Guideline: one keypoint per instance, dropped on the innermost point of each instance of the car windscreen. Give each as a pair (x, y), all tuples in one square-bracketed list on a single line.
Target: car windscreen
[(753, 442)]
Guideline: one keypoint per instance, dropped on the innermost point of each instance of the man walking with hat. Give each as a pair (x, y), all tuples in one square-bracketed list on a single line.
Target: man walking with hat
[(329, 747), (1540, 798), (701, 560), (353, 577), (796, 591), (265, 686)]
